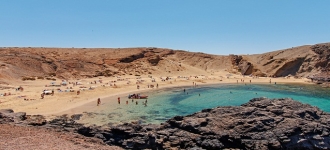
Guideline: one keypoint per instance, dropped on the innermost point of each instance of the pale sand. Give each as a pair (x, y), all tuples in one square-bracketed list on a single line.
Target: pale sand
[(70, 102)]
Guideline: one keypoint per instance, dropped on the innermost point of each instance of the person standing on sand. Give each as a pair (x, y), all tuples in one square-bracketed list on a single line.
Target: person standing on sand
[(118, 100), (98, 101)]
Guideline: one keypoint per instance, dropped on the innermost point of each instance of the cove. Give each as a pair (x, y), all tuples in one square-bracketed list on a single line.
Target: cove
[(167, 103)]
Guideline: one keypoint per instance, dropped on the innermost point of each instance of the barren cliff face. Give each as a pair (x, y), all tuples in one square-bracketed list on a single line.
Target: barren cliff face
[(300, 61), (66, 63)]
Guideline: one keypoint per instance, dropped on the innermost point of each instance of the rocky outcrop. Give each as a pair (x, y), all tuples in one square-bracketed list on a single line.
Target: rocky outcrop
[(131, 58), (245, 67), (323, 63), (320, 78), (154, 60), (289, 68), (235, 59), (301, 61), (259, 124)]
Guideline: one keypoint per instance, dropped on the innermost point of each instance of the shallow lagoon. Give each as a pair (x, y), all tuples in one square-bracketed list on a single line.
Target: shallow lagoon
[(167, 103)]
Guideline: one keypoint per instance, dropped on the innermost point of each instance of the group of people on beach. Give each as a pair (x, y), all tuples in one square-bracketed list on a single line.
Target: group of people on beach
[(118, 99), (5, 94)]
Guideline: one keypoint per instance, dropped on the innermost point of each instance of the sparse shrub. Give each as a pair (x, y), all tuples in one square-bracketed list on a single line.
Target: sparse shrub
[(28, 78), (40, 78), (51, 79), (137, 75)]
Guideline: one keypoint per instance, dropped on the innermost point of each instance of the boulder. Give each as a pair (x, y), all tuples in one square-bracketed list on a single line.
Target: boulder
[(36, 120)]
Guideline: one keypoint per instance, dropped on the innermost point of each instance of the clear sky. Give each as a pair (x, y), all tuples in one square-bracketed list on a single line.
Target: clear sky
[(209, 26)]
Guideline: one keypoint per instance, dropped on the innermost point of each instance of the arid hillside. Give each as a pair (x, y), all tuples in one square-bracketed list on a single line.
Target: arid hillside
[(303, 61), (19, 63), (67, 63)]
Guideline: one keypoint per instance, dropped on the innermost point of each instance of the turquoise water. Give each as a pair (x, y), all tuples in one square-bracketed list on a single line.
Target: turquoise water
[(167, 103)]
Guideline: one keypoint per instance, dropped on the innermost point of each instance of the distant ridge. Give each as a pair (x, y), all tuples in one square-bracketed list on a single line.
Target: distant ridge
[(67, 63)]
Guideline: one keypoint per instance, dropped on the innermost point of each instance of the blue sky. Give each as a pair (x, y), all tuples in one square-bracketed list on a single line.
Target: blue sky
[(209, 26)]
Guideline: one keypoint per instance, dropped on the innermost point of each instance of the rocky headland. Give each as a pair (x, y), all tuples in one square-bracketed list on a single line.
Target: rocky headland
[(259, 124)]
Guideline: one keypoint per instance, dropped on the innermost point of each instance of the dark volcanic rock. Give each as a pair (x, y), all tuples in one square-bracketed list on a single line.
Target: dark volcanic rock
[(36, 120), (259, 124), (323, 52), (8, 115), (76, 116)]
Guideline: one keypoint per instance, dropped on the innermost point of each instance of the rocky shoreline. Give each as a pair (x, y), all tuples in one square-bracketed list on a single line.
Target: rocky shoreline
[(259, 124)]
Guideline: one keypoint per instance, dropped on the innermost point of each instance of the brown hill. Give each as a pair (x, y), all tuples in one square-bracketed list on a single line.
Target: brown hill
[(302, 61), (67, 63)]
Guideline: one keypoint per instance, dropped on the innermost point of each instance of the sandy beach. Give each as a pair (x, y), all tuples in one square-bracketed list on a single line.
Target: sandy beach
[(65, 97)]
